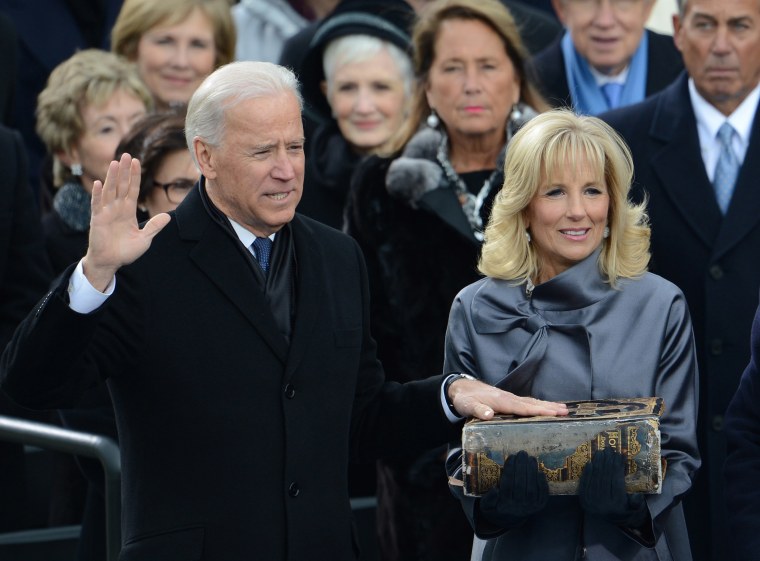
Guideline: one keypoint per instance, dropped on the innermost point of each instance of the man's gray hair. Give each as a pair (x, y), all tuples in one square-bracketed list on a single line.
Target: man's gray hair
[(228, 86)]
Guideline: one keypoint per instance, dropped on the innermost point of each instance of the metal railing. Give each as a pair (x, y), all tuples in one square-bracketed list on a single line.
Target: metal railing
[(95, 446)]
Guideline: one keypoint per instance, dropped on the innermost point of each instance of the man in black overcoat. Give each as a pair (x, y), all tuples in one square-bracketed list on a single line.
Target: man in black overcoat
[(242, 372), (742, 468), (710, 253)]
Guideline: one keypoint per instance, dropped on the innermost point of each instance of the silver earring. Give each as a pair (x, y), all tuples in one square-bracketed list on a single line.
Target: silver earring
[(516, 114), (527, 235), (606, 233), (433, 121), (76, 170)]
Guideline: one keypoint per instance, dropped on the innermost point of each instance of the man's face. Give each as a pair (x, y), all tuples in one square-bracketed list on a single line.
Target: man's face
[(720, 44), (605, 32), (255, 176)]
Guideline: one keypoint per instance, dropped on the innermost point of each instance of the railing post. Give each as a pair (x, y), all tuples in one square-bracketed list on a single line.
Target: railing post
[(102, 448)]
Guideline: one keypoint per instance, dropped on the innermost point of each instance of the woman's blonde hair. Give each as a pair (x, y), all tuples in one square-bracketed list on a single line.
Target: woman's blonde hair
[(138, 16), (424, 35), (552, 141), (87, 78)]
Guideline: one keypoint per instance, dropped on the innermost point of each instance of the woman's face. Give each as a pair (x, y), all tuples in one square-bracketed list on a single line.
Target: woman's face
[(472, 83), (174, 178), (367, 99), (173, 60), (567, 217), (104, 127)]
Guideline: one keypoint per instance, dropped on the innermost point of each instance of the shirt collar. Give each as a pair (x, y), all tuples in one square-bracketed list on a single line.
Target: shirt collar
[(602, 79), (246, 236), (709, 119)]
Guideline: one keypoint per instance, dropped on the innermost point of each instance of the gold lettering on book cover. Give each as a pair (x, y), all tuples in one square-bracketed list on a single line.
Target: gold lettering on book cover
[(634, 448)]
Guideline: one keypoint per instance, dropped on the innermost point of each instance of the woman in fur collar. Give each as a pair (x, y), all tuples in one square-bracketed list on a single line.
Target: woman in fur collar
[(419, 218)]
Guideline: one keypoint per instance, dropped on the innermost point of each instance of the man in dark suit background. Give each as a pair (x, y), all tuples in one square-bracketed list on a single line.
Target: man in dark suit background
[(742, 469), (24, 277), (242, 372), (606, 58), (707, 242)]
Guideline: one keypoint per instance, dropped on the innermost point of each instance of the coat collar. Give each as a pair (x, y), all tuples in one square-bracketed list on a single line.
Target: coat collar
[(498, 303), (222, 258), (499, 307)]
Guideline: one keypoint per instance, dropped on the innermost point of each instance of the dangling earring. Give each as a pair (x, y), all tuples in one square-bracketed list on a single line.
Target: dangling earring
[(433, 121), (606, 233), (76, 170), (527, 235)]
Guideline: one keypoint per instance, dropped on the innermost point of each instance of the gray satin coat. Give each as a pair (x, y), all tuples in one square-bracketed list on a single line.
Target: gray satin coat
[(577, 338)]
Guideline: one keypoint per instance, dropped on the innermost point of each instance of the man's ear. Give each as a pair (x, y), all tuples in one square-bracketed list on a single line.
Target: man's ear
[(205, 157), (323, 87), (677, 25)]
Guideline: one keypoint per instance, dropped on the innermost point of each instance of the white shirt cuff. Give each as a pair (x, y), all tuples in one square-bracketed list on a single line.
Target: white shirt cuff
[(83, 297), (445, 402)]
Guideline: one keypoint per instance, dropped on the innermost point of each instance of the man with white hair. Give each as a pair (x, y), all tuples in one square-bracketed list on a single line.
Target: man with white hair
[(234, 336)]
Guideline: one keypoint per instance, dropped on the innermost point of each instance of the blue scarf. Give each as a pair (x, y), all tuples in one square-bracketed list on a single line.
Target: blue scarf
[(587, 96)]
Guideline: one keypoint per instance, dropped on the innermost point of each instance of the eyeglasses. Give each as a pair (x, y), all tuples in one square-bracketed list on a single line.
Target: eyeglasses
[(592, 6), (176, 190)]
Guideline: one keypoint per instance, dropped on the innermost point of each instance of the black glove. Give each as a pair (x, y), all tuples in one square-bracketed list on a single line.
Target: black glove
[(522, 492), (602, 491)]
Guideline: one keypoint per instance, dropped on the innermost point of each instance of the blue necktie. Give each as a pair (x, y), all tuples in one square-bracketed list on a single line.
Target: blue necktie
[(263, 249), (727, 168), (612, 91)]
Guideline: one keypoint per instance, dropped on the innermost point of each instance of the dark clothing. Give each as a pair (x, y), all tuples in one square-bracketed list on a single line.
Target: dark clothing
[(49, 32), (64, 244), (537, 28), (8, 69), (330, 162), (24, 277), (420, 252), (713, 259), (742, 467), (235, 444), (547, 68)]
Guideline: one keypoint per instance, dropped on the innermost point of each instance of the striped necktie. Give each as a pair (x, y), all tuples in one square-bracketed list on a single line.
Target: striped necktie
[(727, 168)]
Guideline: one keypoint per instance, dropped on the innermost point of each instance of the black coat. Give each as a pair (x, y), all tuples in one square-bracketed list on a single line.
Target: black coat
[(330, 163), (64, 244), (234, 444), (24, 268), (24, 277), (713, 259), (664, 63), (419, 256), (742, 468)]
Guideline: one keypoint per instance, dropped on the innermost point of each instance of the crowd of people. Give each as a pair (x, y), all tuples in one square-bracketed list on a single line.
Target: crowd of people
[(275, 247)]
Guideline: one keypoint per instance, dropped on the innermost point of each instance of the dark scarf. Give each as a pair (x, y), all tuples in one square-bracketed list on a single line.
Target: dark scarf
[(279, 283)]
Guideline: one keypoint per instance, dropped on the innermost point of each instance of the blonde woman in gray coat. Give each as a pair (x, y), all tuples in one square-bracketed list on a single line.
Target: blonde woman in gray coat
[(567, 311)]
